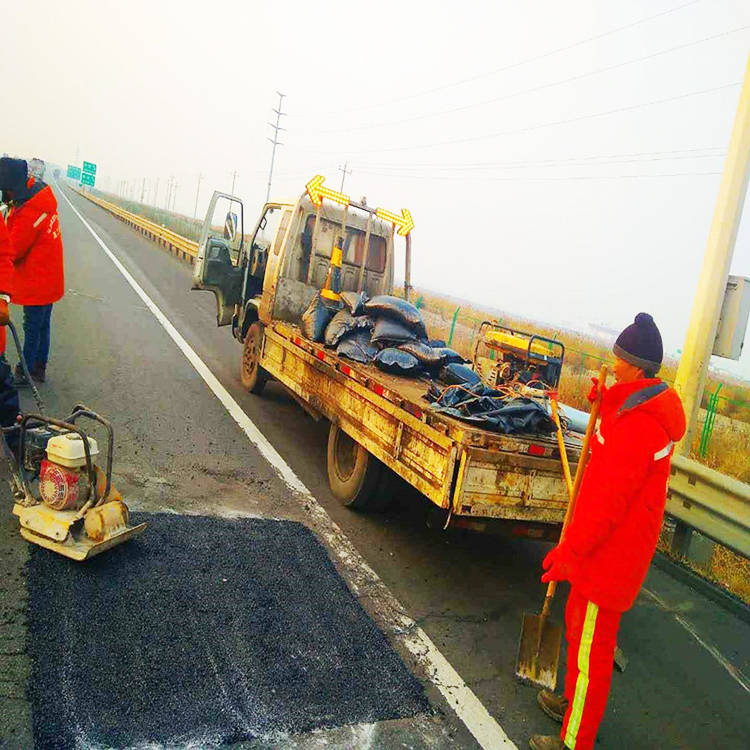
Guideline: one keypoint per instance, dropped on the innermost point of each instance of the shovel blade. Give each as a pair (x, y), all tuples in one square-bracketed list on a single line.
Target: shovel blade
[(539, 651)]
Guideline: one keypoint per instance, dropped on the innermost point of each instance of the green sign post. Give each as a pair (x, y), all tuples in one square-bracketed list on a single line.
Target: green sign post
[(89, 174), (74, 173)]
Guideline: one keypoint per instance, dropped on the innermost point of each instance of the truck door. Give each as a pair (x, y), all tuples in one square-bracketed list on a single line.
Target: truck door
[(219, 267)]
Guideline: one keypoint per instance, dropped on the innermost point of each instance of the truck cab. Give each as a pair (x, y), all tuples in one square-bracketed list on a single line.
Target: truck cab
[(271, 272)]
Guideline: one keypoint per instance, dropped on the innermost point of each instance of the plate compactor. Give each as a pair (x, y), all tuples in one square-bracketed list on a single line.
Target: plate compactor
[(75, 511)]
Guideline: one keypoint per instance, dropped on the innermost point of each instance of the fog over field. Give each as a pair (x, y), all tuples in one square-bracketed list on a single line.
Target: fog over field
[(561, 160)]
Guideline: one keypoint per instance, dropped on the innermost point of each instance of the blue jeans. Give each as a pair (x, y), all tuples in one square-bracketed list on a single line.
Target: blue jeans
[(36, 323)]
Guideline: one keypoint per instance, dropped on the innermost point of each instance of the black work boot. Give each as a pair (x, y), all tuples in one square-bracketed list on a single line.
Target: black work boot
[(552, 704), (39, 372), (546, 742), (19, 379)]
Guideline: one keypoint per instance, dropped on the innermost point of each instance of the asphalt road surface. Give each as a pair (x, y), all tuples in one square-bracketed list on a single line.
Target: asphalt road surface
[(178, 450)]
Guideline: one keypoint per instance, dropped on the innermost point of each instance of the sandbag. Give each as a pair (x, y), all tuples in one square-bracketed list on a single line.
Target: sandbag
[(397, 362), (389, 331), (316, 318), (437, 343), (356, 345), (340, 324), (354, 302), (456, 374), (384, 305), (428, 356)]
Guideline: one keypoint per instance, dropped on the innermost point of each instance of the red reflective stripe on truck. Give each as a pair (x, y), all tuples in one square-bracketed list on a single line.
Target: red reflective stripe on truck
[(536, 450)]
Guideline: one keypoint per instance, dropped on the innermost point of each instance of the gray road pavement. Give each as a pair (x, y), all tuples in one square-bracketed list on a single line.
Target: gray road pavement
[(178, 449)]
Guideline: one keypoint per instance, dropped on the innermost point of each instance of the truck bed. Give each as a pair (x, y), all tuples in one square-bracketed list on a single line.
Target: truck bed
[(461, 467)]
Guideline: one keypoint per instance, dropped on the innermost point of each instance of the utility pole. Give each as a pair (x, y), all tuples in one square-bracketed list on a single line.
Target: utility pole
[(169, 193), (235, 174), (275, 140), (344, 172), (156, 192), (704, 318), (197, 193), (174, 194), (143, 188)]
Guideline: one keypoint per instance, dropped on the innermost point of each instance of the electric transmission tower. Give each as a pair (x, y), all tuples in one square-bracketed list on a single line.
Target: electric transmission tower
[(275, 140)]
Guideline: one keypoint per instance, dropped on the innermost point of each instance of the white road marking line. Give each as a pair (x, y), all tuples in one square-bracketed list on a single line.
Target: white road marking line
[(736, 674), (469, 709)]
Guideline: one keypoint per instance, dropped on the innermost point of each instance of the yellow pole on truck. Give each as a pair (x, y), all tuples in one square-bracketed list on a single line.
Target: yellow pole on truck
[(704, 318)]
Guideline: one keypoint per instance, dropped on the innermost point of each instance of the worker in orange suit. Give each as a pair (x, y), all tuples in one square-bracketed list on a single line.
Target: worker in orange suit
[(608, 546), (37, 247), (9, 406)]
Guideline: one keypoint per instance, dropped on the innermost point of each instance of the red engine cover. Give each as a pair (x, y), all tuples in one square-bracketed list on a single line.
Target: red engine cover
[(60, 487)]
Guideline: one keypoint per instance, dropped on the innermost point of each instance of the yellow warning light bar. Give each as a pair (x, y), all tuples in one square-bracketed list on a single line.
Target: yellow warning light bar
[(404, 223), (317, 192)]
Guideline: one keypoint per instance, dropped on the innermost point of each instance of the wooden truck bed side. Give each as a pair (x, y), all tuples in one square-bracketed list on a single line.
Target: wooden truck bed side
[(481, 473)]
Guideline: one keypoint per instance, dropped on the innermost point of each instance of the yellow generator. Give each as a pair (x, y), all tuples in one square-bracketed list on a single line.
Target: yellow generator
[(504, 356)]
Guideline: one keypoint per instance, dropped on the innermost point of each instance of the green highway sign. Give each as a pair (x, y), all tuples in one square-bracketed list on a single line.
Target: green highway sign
[(74, 172), (89, 167), (88, 179)]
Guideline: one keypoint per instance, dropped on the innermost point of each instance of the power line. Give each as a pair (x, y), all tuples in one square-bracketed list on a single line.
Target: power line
[(542, 125), (545, 179), (533, 89), (511, 66)]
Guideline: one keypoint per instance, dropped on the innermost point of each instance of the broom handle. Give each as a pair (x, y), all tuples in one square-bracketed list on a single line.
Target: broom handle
[(582, 461)]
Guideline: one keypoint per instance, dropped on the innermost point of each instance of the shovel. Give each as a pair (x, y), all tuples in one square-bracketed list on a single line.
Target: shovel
[(539, 645)]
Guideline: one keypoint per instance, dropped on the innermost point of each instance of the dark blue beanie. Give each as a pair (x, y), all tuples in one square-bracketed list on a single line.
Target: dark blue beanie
[(13, 173), (640, 344)]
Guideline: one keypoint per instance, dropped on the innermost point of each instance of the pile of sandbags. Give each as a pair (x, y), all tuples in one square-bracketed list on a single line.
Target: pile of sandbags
[(384, 330)]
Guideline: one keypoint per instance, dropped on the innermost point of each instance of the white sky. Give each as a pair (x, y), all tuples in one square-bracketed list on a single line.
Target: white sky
[(550, 212)]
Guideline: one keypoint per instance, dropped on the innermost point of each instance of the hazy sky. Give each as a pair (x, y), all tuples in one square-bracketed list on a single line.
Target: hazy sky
[(561, 160)]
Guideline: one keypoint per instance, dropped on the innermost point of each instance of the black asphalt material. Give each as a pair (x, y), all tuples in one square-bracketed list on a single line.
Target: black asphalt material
[(208, 631)]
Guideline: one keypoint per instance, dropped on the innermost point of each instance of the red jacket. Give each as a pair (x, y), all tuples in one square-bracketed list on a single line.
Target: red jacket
[(618, 515), (6, 271), (38, 251)]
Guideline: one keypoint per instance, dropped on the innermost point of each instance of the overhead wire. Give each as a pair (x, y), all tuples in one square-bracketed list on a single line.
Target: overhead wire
[(510, 66), (532, 89), (531, 128)]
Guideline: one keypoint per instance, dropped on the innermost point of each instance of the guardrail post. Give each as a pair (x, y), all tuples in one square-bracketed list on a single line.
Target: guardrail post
[(681, 539)]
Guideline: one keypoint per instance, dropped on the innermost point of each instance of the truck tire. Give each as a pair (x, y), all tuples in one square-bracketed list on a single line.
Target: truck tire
[(253, 376), (353, 473)]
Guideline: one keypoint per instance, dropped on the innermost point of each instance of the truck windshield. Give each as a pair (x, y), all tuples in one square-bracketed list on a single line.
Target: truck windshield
[(354, 244)]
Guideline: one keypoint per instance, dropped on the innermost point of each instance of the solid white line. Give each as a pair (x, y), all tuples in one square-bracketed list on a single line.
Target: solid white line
[(472, 712), (735, 673)]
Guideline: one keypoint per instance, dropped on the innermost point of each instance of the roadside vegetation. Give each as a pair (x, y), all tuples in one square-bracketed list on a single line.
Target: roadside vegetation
[(728, 448)]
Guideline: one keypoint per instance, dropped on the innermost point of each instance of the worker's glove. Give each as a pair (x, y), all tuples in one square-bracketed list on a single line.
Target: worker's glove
[(596, 390), (4, 313), (559, 564)]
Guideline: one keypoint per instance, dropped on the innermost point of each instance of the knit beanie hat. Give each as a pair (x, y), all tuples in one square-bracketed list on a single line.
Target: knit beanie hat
[(640, 344), (13, 173)]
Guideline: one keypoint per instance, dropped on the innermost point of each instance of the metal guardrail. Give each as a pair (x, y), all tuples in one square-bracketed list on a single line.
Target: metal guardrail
[(184, 248), (712, 503)]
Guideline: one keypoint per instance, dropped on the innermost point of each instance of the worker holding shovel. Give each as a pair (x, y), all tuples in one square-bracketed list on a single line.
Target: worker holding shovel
[(606, 550)]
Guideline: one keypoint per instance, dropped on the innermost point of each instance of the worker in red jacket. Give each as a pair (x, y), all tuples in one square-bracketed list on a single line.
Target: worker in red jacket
[(38, 259), (607, 548), (9, 406)]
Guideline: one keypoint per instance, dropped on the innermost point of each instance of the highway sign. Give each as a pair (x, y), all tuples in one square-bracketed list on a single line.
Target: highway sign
[(89, 167), (88, 179), (74, 172)]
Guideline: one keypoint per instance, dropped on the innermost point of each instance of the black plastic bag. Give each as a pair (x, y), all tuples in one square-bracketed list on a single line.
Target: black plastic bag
[(518, 415), (389, 331), (356, 345), (354, 302), (397, 362), (317, 317), (384, 305), (456, 374), (437, 343)]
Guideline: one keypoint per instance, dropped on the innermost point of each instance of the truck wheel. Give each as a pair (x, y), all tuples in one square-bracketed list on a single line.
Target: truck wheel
[(253, 376), (353, 473)]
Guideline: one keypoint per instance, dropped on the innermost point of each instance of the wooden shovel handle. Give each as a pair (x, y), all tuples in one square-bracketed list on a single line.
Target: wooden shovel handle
[(582, 461)]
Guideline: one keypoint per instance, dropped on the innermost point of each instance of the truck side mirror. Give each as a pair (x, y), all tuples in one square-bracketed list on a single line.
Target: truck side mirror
[(230, 226)]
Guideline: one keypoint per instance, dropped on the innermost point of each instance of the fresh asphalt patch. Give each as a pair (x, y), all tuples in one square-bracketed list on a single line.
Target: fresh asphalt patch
[(205, 631)]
